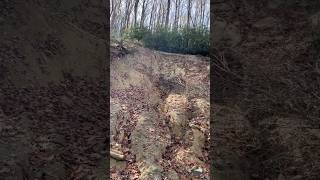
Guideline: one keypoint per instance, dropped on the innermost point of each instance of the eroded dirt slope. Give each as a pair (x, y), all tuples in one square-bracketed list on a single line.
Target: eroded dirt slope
[(159, 115)]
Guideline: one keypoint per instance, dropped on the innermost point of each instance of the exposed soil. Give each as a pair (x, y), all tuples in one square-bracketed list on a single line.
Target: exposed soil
[(159, 115)]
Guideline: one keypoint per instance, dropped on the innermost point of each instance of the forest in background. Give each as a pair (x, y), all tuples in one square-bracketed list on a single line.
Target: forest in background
[(178, 26)]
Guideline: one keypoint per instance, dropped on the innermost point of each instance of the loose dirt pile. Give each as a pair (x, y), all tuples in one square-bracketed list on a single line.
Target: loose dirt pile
[(159, 115)]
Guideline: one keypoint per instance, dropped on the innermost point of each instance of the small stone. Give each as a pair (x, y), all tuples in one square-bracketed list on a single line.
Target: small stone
[(152, 172), (197, 171)]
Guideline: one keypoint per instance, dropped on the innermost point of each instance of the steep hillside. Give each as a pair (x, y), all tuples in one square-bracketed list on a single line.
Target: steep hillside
[(159, 114)]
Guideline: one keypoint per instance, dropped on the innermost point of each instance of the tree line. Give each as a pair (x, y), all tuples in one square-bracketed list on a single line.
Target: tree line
[(153, 14), (179, 26)]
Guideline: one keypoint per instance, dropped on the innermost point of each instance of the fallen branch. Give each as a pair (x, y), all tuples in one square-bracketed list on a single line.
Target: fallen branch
[(116, 154)]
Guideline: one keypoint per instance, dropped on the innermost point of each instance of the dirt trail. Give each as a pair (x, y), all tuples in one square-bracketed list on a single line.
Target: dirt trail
[(159, 115)]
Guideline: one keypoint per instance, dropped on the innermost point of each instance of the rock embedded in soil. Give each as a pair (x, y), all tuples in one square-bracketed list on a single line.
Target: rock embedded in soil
[(198, 142), (201, 107), (176, 110), (151, 172), (118, 155)]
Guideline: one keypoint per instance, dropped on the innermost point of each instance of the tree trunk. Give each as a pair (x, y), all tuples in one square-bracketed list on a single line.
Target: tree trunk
[(163, 16), (176, 13), (189, 13), (143, 12), (203, 8), (136, 4), (151, 15), (127, 13), (159, 14), (168, 13), (113, 13)]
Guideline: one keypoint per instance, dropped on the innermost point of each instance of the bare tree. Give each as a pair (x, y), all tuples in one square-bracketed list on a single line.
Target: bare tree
[(177, 13), (143, 12), (162, 13), (151, 21), (136, 4), (128, 13), (202, 10), (196, 13), (189, 13), (168, 13), (159, 14), (115, 8)]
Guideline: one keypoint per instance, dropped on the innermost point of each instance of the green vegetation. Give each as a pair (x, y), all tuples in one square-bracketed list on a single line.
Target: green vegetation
[(185, 41)]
